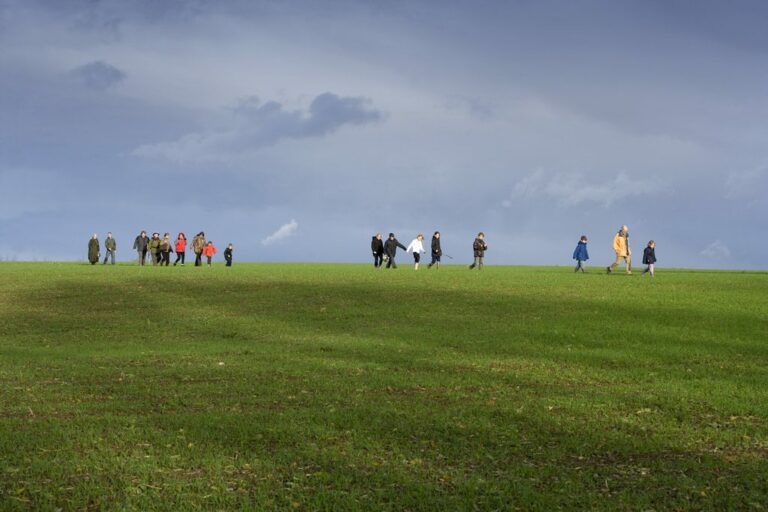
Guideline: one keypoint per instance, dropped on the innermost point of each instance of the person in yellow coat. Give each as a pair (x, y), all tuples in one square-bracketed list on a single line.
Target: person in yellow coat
[(622, 250)]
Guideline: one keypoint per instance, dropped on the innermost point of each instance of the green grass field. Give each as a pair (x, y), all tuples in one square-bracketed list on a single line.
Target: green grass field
[(338, 387)]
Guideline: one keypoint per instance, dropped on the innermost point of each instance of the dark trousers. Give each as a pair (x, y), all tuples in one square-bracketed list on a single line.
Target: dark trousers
[(378, 260), (477, 263), (142, 257), (155, 258), (179, 257), (229, 262), (111, 253), (435, 260), (391, 262), (198, 259), (579, 266), (165, 258), (209, 260)]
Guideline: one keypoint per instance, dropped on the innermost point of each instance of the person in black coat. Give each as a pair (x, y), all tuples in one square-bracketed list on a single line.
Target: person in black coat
[(390, 249), (437, 252), (649, 258), (228, 255), (478, 248), (377, 248)]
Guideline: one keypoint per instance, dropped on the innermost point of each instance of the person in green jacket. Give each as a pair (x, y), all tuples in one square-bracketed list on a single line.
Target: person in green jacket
[(154, 248), (111, 246), (93, 249)]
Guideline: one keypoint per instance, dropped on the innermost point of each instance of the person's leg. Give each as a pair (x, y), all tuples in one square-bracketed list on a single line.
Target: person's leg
[(209, 260), (578, 266), (652, 268), (183, 257), (392, 259), (416, 259), (106, 257), (480, 263), (628, 261), (112, 255)]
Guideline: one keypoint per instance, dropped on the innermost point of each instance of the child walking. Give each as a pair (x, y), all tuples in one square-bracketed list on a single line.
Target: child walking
[(580, 254), (416, 247), (228, 255), (649, 258), (377, 249), (208, 251), (181, 247)]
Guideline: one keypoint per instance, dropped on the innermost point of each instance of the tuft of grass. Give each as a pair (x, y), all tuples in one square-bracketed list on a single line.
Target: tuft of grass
[(339, 387)]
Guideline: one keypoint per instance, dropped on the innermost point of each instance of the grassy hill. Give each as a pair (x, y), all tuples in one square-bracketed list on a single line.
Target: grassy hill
[(338, 387)]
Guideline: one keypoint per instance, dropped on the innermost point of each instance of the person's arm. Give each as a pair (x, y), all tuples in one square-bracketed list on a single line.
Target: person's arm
[(400, 245)]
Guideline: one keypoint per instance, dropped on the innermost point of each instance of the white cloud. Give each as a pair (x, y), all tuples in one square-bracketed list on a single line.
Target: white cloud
[(717, 250), (570, 189), (282, 232)]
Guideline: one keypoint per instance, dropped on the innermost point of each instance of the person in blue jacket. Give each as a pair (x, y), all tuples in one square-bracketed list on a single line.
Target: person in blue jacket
[(580, 254)]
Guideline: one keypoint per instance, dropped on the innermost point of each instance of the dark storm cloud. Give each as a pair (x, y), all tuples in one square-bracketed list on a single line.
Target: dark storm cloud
[(259, 125), (98, 75)]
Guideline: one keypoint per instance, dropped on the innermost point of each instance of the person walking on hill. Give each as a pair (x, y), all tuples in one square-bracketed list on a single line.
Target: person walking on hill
[(181, 248), (111, 246), (228, 255), (154, 248), (198, 244), (390, 249), (437, 252), (649, 258), (208, 251), (622, 250), (377, 248), (580, 254), (417, 248), (165, 250), (478, 249), (93, 249), (140, 245)]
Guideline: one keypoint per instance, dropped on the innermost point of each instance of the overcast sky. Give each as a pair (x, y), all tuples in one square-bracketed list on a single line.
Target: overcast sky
[(297, 130)]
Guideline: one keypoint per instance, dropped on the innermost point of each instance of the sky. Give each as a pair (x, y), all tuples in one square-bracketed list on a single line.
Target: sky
[(297, 130)]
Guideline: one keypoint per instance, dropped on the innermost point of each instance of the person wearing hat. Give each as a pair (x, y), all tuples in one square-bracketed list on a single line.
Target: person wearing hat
[(390, 249)]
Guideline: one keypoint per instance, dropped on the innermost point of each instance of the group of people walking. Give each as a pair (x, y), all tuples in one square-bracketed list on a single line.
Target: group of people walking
[(160, 249), (387, 250), (623, 253)]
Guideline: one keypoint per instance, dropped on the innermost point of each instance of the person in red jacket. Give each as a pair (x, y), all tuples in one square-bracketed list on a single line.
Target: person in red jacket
[(181, 246), (208, 251)]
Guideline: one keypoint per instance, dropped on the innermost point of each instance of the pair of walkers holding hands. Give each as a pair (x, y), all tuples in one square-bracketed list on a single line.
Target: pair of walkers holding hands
[(386, 250)]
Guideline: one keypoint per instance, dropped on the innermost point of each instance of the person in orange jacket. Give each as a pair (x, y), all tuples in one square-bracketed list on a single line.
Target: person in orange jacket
[(208, 251)]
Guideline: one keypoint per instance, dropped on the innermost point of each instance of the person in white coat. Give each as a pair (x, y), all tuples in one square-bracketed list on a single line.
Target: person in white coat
[(416, 247)]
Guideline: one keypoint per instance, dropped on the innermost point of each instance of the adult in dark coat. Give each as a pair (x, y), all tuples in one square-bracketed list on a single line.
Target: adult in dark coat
[(93, 249), (377, 248), (478, 248), (437, 252), (140, 246), (390, 249)]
